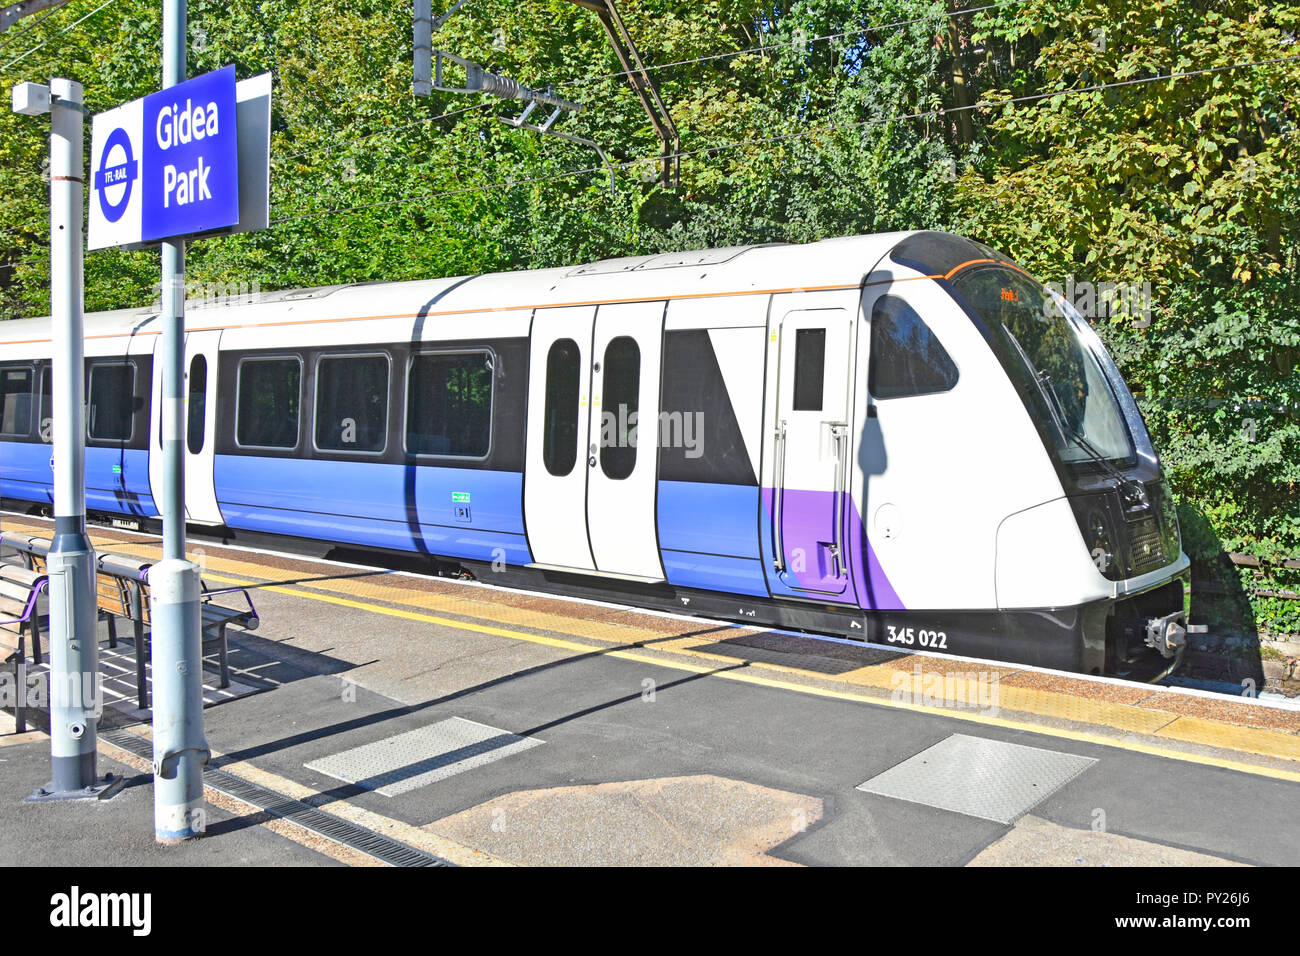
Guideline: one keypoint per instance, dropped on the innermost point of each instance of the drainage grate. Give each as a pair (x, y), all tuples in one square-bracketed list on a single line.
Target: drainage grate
[(422, 756), (981, 778), (377, 845)]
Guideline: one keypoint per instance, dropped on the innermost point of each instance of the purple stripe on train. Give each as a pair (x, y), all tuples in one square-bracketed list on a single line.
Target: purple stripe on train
[(808, 518)]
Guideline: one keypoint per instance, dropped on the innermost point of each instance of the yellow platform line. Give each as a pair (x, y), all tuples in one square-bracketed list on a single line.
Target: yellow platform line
[(773, 683)]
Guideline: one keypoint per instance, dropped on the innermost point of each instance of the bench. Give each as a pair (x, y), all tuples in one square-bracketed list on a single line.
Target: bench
[(20, 590), (122, 591)]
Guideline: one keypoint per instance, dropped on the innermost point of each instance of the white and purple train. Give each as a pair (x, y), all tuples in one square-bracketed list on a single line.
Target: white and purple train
[(900, 438)]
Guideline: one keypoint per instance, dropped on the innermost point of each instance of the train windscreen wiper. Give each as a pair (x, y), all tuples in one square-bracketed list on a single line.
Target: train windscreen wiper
[(1133, 488), (1129, 486)]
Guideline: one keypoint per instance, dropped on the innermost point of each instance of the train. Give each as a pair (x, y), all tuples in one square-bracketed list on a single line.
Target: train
[(903, 439)]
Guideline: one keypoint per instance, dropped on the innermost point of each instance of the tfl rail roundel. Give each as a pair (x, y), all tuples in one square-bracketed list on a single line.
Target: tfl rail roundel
[(167, 165), (116, 175)]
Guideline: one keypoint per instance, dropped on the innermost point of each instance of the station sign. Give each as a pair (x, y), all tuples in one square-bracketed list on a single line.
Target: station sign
[(170, 164)]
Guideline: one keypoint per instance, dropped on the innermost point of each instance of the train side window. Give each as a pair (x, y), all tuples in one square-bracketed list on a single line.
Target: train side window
[(352, 403), (809, 369), (198, 402), (267, 402), (906, 357), (618, 418), (16, 401), (110, 407), (449, 404), (560, 431)]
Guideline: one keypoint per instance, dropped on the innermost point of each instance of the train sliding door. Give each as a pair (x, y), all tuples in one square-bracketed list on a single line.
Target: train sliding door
[(806, 495), (198, 428), (555, 471), (593, 428)]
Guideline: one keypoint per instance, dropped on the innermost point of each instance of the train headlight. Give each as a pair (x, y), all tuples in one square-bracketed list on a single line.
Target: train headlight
[(1098, 537), (1099, 543)]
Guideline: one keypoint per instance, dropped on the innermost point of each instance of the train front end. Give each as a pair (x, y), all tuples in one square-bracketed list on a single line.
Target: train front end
[(1125, 609)]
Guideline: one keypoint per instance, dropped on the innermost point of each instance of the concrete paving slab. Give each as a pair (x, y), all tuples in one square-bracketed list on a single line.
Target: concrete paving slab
[(1037, 842), (699, 820)]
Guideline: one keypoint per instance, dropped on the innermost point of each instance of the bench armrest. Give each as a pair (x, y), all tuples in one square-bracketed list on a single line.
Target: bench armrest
[(249, 619), (30, 609)]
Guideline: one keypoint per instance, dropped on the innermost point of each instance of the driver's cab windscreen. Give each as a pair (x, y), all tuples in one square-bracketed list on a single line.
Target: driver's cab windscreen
[(1039, 344)]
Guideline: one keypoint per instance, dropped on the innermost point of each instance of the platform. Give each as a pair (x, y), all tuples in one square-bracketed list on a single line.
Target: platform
[(475, 725)]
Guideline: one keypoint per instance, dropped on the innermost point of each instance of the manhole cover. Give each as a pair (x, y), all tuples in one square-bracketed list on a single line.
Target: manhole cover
[(982, 778), (420, 757)]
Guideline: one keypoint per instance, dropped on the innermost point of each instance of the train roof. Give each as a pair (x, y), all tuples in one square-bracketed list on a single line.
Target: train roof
[(830, 263)]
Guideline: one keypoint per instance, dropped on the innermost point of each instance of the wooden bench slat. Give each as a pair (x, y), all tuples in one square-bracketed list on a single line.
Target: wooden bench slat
[(11, 610), (14, 592), (20, 575), (13, 602)]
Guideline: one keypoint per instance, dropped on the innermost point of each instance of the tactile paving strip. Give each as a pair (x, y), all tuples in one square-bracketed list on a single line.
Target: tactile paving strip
[(420, 757), (981, 778)]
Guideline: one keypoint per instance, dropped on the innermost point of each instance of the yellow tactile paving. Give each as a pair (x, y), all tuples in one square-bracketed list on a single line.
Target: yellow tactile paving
[(1226, 710), (1082, 710), (1213, 733), (957, 685)]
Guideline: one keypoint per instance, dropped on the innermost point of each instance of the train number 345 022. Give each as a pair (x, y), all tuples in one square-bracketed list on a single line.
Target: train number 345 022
[(913, 636)]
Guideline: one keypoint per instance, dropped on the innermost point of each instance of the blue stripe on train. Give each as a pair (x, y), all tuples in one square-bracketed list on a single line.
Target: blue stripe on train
[(25, 471), (708, 535), (377, 505), (117, 480)]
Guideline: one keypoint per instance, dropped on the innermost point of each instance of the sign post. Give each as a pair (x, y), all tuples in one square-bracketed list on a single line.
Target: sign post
[(74, 692), (179, 747)]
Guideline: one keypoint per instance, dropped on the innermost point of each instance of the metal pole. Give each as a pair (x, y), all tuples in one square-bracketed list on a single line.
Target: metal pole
[(75, 701), (180, 749), (422, 83)]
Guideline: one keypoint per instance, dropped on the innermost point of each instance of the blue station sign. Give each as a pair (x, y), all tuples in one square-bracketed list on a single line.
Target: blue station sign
[(167, 165)]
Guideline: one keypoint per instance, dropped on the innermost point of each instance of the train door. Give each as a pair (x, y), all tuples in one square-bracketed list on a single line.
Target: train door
[(623, 459), (809, 463), (555, 470), (589, 490), (198, 428)]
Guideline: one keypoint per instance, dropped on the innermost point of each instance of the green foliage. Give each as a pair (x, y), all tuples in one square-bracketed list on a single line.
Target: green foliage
[(1185, 186)]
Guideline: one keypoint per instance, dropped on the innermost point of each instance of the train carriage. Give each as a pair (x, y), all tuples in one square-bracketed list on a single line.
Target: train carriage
[(898, 438)]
